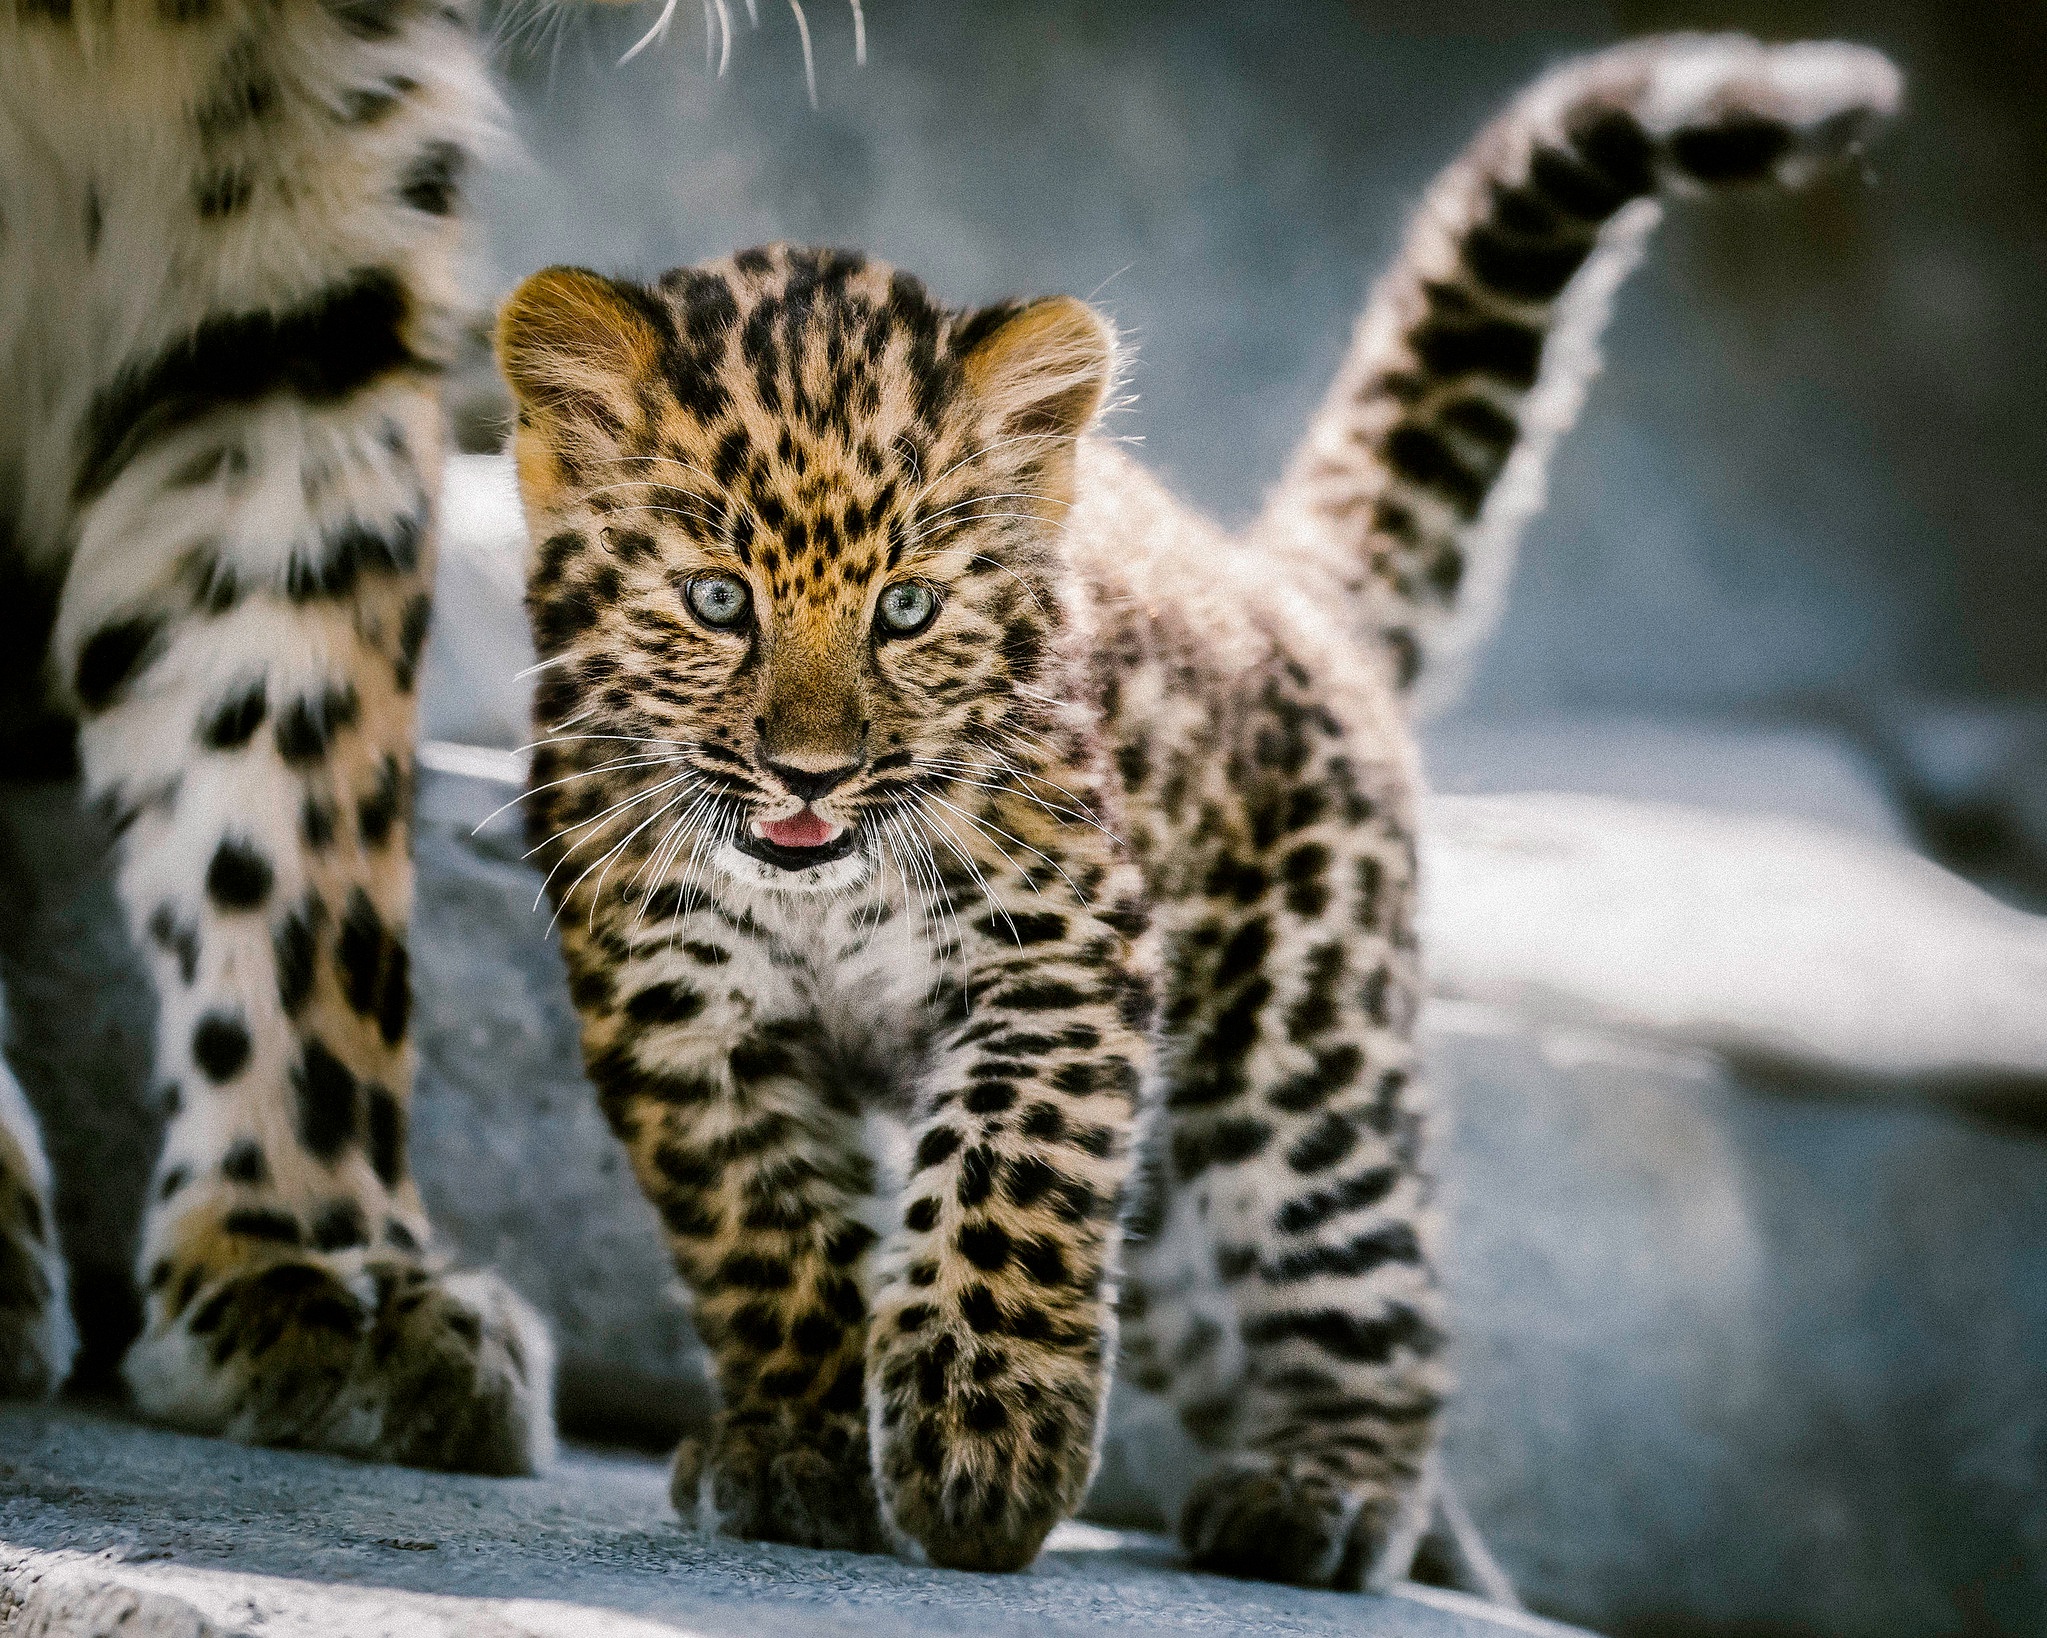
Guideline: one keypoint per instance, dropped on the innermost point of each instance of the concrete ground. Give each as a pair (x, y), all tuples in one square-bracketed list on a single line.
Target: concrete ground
[(109, 1528)]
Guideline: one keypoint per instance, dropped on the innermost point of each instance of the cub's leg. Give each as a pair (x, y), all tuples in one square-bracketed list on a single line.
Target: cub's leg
[(994, 1328), (1284, 1293), (36, 1336), (239, 632), (750, 1152)]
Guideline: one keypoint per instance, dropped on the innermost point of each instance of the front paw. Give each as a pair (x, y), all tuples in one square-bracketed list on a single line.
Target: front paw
[(781, 1474), (387, 1361), (1275, 1519), (979, 1459)]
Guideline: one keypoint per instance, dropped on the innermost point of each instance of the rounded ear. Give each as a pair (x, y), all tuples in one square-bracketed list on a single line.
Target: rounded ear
[(573, 345), (1043, 368)]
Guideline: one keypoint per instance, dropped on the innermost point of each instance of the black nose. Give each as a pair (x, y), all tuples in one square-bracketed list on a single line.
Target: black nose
[(811, 785)]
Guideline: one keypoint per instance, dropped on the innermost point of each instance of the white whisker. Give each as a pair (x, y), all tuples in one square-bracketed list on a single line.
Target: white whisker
[(658, 32), (809, 63)]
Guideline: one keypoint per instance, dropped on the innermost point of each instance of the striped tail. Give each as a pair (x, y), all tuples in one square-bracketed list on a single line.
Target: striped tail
[(1475, 350)]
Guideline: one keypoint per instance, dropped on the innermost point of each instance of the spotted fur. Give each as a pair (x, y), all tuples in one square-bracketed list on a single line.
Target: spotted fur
[(228, 232), (963, 983)]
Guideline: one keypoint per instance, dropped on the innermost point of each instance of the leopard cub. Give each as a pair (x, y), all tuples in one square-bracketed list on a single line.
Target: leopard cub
[(988, 887)]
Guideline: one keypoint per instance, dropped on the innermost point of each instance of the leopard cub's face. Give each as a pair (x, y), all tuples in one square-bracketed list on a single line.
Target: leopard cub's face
[(798, 546)]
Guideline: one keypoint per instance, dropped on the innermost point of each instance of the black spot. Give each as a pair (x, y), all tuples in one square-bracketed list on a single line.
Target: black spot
[(1026, 1178), (369, 104), (1308, 1089), (345, 337), (1389, 1243), (1507, 351), (922, 1216), (1044, 1121), (1024, 928), (1043, 1261), (432, 182), (244, 1162), (317, 819), (234, 721), (258, 1223), (220, 1046), (1245, 951), (173, 1180), (222, 193), (394, 995), (328, 1102), (338, 1226), (307, 726), (937, 1145), (412, 631), (294, 945), (359, 952), (1740, 148), (757, 1325), (366, 19), (985, 1245), (980, 1310), (239, 878), (377, 811), (751, 1271), (1304, 869), (1348, 1336), (985, 1414), (386, 1122), (848, 1243), (1526, 268), (988, 1097), (815, 1334), (111, 656), (665, 1004), (348, 551), (977, 1175), (1357, 1193), (1573, 187), (398, 1235), (1043, 995), (1323, 1145), (178, 938), (1424, 458), (1220, 1143)]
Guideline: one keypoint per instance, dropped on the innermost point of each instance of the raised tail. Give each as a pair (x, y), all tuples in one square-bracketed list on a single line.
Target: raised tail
[(1474, 352)]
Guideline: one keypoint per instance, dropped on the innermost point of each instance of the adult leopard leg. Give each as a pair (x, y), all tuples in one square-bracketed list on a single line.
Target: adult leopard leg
[(239, 633), (1285, 1294), (37, 1340)]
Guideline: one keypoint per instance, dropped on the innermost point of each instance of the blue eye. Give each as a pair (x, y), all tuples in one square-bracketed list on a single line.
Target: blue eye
[(721, 601), (907, 607)]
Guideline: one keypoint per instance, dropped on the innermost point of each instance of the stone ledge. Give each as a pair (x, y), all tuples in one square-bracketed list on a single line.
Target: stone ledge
[(107, 1527)]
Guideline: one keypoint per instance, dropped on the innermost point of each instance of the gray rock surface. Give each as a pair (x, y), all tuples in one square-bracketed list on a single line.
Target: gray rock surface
[(107, 1528)]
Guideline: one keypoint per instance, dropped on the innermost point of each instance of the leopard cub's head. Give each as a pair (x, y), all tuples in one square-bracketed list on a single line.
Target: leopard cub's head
[(797, 541)]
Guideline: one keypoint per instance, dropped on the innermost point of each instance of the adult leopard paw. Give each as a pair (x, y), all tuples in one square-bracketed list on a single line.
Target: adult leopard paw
[(383, 1360), (781, 1475), (37, 1340)]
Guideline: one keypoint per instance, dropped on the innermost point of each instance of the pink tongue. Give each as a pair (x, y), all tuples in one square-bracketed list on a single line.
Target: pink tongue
[(806, 829)]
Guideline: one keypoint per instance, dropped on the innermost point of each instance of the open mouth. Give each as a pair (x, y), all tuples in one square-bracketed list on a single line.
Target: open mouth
[(798, 842)]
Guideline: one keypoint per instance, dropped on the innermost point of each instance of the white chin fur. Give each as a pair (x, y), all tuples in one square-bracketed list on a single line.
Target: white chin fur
[(834, 877)]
